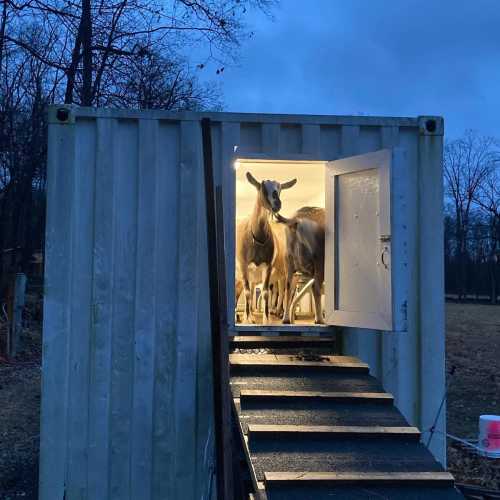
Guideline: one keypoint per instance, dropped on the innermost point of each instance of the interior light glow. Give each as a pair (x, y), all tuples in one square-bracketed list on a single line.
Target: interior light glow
[(236, 164)]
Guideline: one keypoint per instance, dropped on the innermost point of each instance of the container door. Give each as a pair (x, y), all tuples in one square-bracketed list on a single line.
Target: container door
[(366, 271)]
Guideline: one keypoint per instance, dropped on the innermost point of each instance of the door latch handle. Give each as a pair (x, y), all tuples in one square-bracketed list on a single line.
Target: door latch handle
[(383, 258), (385, 238)]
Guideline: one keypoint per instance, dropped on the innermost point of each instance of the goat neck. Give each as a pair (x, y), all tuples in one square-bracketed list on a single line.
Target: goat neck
[(259, 223)]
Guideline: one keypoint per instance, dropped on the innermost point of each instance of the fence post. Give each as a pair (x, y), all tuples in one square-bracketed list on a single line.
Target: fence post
[(16, 318)]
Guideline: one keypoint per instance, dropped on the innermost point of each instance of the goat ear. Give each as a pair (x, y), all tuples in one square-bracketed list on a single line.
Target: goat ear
[(252, 180), (289, 184)]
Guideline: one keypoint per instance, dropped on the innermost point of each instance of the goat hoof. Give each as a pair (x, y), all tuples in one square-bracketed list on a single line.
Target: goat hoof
[(248, 319), (319, 322), (286, 321)]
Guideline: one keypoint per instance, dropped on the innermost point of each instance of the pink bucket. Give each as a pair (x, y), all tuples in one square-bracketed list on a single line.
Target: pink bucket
[(489, 435)]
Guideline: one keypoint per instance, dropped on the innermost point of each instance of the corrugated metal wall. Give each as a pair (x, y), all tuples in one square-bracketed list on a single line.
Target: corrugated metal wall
[(126, 335), (410, 365), (127, 398)]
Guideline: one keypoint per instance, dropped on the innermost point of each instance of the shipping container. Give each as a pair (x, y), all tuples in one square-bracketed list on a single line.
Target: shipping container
[(127, 405)]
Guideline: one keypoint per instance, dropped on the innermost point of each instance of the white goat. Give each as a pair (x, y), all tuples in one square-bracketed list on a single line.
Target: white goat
[(277, 280), (255, 240), (306, 254)]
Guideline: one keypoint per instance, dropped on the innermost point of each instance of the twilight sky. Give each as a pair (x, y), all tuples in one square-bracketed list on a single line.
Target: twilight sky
[(374, 57)]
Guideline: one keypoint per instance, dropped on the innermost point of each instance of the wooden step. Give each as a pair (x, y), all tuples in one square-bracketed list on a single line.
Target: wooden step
[(256, 395), (280, 329), (277, 361), (318, 413), (282, 341), (326, 431), (306, 380), (444, 479)]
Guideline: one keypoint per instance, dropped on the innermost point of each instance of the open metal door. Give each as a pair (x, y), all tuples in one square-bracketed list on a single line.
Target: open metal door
[(366, 270)]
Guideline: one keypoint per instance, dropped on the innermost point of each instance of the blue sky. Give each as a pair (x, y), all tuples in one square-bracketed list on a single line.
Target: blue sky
[(374, 57)]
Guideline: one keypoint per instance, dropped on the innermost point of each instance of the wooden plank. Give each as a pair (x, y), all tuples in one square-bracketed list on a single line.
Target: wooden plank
[(284, 342), (280, 329), (280, 361), (244, 441), (341, 396), (319, 412), (394, 478), (333, 430), (278, 358), (218, 321), (359, 368), (299, 339), (295, 380)]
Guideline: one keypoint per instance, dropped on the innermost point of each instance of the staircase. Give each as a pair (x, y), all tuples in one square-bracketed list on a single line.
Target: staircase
[(315, 425)]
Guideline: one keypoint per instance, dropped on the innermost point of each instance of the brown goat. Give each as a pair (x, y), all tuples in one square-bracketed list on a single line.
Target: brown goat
[(255, 242)]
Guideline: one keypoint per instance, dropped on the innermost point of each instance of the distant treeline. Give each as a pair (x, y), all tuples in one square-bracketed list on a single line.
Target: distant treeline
[(472, 217), (477, 277)]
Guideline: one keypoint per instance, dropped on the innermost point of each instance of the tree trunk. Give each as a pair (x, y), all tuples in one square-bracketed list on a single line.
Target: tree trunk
[(3, 25), (71, 73), (493, 282), (462, 269), (87, 53)]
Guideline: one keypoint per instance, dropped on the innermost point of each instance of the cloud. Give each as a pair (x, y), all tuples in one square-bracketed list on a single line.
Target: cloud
[(400, 58)]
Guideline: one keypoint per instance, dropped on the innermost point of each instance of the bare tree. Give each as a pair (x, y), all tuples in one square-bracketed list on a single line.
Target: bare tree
[(150, 80), (468, 162), (487, 198), (92, 42), (127, 53)]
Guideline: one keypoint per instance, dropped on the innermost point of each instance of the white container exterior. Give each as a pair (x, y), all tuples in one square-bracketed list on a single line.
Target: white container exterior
[(126, 391)]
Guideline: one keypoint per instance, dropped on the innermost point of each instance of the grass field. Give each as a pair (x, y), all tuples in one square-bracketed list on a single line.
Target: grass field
[(473, 349), (473, 356)]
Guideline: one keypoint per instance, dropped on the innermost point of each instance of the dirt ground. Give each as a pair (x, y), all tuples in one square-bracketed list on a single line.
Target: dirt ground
[(19, 412), (473, 366), (473, 355)]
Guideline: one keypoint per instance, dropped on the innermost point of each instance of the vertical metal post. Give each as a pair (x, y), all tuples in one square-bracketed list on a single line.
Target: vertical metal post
[(218, 320), (16, 318)]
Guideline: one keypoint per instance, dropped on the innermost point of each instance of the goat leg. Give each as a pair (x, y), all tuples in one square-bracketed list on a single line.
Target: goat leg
[(265, 294), (247, 316), (281, 291), (318, 315), (291, 283)]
